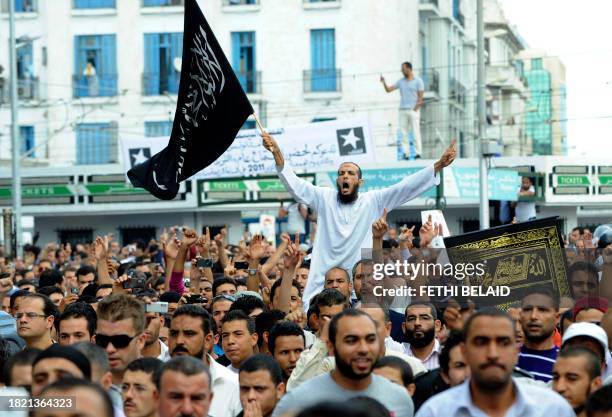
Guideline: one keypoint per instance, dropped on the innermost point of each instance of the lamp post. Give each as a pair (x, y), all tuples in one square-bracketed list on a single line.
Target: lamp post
[(15, 142)]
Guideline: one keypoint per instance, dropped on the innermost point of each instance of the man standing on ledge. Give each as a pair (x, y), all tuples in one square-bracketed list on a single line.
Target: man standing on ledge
[(411, 93), (345, 216)]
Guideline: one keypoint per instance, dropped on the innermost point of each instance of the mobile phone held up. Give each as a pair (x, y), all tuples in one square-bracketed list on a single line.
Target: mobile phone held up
[(137, 279), (159, 307)]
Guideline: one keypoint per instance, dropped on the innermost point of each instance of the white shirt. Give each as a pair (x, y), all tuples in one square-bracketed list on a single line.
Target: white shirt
[(345, 229), (531, 401), (226, 391), (525, 210), (164, 355), (393, 348), (432, 361)]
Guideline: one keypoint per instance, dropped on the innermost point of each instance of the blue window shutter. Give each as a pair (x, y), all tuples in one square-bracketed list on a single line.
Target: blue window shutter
[(151, 84), (158, 129), (94, 143), (26, 134), (107, 71), (176, 51), (323, 59), (79, 65), (236, 52), (19, 5)]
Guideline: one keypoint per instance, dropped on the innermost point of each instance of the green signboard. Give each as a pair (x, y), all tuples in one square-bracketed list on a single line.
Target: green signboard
[(38, 191), (572, 180), (112, 188), (605, 180)]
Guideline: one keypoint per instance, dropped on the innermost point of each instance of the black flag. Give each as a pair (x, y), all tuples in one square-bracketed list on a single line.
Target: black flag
[(211, 109)]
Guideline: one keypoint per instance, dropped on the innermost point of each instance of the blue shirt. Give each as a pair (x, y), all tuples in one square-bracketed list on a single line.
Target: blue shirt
[(531, 401), (409, 91), (539, 362)]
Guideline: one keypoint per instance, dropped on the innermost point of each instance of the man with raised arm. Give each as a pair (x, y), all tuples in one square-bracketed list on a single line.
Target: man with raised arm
[(345, 217)]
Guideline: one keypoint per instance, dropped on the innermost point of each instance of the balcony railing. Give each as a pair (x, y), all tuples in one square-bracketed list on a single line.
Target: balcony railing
[(322, 80), (456, 91), (27, 89), (431, 79), (154, 84), (100, 85), (239, 2), (250, 81), (161, 3)]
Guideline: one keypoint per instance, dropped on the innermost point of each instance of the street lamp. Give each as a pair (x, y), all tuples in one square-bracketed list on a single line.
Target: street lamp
[(15, 142)]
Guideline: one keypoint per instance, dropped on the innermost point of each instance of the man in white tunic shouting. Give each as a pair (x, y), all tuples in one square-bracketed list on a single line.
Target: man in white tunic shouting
[(345, 216)]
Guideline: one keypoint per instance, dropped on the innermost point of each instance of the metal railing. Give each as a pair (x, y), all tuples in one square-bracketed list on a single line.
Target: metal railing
[(250, 81), (322, 80), (161, 3), (431, 79), (239, 2), (21, 6), (27, 89), (154, 84), (99, 85)]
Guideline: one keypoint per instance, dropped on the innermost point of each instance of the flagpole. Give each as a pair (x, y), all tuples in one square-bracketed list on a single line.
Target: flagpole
[(259, 125)]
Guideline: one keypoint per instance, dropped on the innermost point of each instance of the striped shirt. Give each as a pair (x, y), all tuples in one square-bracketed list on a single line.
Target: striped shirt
[(539, 362)]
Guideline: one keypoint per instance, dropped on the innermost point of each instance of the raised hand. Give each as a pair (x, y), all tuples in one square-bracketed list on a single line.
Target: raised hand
[(447, 157), (428, 231), (100, 248), (189, 237), (292, 256), (257, 249), (220, 238), (203, 244), (380, 226), (171, 247), (230, 270)]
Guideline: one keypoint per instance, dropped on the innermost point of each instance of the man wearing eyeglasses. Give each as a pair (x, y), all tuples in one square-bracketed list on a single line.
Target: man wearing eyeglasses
[(35, 317), (121, 325)]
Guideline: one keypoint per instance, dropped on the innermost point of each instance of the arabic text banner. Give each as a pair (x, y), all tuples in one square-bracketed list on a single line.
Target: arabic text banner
[(309, 148)]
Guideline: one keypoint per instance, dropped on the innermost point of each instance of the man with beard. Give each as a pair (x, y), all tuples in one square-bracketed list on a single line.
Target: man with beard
[(420, 327), (191, 334), (345, 216), (577, 373), (490, 351), (539, 317), (353, 340)]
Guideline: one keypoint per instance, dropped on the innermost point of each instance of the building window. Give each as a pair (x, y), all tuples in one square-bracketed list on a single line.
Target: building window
[(130, 235), (161, 75), (21, 6), (323, 75), (26, 134), (26, 81), (157, 3), (74, 237), (248, 125), (158, 129), (240, 2), (94, 4), (96, 143), (536, 63), (244, 63), (322, 119), (95, 72)]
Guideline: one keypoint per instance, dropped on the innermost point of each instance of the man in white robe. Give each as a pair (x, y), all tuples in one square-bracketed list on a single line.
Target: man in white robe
[(345, 216)]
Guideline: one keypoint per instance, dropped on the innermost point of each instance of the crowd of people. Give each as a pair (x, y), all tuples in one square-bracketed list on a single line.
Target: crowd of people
[(191, 325)]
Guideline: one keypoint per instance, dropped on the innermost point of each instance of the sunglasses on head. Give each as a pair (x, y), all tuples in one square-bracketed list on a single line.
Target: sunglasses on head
[(119, 341)]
